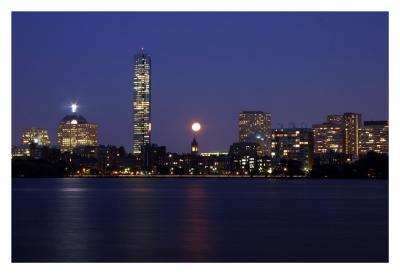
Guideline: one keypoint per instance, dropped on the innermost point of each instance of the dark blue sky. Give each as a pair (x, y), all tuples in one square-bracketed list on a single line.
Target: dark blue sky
[(206, 67)]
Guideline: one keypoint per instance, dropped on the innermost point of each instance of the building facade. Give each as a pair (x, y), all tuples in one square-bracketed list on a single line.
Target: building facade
[(38, 136), (21, 151), (245, 159), (339, 134), (255, 127), (352, 124), (328, 137), (141, 102), (374, 136), (74, 131), (154, 159), (293, 143)]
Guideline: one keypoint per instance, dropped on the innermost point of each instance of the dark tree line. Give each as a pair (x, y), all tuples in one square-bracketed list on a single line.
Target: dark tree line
[(371, 165), (30, 167)]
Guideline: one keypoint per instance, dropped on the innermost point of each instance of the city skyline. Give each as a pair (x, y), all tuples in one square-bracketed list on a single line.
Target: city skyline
[(343, 133), (172, 122)]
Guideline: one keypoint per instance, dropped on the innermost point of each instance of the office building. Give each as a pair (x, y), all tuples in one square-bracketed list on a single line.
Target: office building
[(141, 102), (244, 157), (38, 136), (352, 124), (28, 151), (74, 131), (328, 137), (293, 143), (255, 127), (20, 151), (374, 136)]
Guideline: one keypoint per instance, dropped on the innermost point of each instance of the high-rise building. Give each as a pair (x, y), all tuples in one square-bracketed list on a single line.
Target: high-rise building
[(352, 124), (255, 127), (293, 143), (141, 102), (339, 134), (328, 137), (374, 136), (74, 131), (38, 136)]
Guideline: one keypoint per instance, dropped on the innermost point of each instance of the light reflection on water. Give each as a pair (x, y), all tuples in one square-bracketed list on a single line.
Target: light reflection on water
[(198, 219), (196, 237)]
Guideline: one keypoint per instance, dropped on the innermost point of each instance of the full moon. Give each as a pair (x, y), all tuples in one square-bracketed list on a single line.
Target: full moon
[(196, 126)]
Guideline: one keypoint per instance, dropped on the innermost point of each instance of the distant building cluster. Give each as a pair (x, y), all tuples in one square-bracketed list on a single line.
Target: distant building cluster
[(346, 134), (260, 149), (38, 136)]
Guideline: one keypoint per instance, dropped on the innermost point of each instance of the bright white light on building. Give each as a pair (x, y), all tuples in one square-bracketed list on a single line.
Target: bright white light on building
[(74, 107)]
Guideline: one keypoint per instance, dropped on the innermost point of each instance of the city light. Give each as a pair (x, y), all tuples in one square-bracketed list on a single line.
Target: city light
[(74, 107), (196, 127)]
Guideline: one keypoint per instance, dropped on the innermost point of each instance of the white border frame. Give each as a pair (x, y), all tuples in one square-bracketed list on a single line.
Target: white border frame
[(7, 6)]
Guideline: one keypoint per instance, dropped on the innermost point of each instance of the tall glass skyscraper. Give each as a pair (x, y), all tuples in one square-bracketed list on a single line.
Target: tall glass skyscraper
[(141, 101)]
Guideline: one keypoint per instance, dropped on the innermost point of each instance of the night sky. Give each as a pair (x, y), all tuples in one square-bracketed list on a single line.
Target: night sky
[(206, 67)]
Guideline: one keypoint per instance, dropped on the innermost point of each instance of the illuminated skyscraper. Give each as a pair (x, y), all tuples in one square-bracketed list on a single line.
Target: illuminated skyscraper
[(38, 136), (255, 127), (141, 102), (352, 124), (74, 131)]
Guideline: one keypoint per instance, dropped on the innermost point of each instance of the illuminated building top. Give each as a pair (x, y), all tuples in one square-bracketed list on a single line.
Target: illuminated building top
[(74, 131)]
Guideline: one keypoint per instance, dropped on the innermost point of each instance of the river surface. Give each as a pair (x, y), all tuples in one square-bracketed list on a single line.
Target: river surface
[(199, 220)]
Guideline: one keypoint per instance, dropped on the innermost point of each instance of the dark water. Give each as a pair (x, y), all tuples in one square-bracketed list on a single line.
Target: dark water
[(206, 220)]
